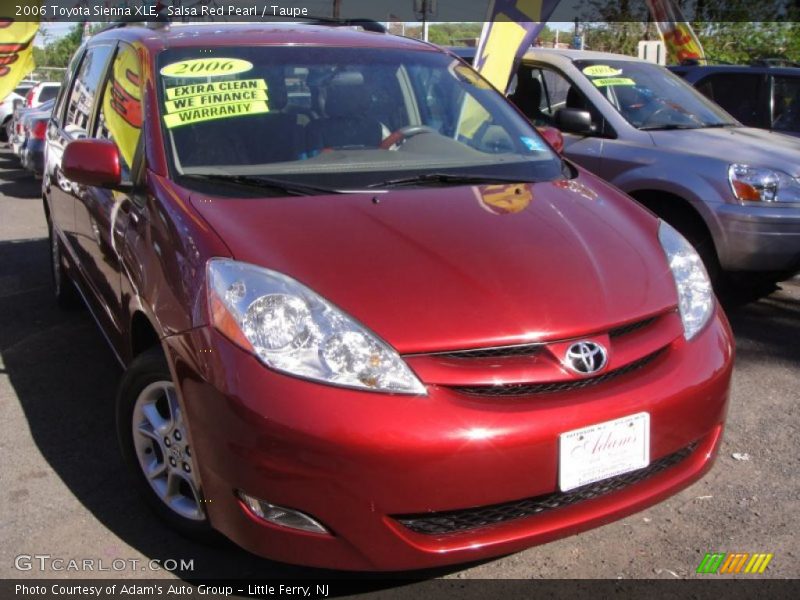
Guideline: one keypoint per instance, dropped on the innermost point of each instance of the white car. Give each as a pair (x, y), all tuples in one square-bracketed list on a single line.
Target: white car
[(7, 105)]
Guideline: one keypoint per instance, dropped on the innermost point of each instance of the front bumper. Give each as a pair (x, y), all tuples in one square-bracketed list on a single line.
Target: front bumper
[(759, 238), (355, 461)]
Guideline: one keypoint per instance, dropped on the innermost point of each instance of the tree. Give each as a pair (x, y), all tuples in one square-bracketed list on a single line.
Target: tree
[(59, 52)]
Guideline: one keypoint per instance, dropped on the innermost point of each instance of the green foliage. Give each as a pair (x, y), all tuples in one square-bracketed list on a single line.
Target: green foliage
[(741, 43), (459, 34), (723, 42), (59, 52)]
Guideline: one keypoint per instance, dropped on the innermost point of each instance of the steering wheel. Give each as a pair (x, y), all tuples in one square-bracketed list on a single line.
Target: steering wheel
[(661, 110), (404, 133)]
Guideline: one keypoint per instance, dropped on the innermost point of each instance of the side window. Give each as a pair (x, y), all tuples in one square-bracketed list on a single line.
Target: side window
[(738, 93), (64, 92), (557, 88), (530, 96), (85, 90), (558, 92), (786, 103), (120, 116)]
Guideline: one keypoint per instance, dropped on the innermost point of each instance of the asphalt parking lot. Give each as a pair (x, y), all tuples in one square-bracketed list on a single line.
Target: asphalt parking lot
[(65, 493)]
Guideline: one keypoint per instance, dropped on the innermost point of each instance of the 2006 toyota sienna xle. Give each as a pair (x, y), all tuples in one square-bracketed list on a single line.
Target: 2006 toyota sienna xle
[(384, 327)]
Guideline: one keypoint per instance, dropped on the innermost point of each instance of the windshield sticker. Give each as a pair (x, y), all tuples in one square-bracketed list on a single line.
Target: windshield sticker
[(613, 81), (532, 144), (187, 102), (207, 67), (196, 115), (197, 89), (208, 101), (601, 71)]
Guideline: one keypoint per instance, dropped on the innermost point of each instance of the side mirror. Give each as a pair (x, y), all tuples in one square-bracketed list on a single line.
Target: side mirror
[(553, 137), (92, 162), (574, 120)]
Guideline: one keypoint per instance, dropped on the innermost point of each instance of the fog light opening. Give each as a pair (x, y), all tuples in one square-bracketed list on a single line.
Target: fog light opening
[(281, 516)]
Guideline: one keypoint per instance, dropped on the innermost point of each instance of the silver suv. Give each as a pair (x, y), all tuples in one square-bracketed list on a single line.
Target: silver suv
[(732, 190)]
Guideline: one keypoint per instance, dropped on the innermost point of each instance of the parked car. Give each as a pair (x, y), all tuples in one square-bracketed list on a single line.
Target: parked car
[(732, 190), (388, 334), (7, 105), (21, 124), (763, 96), (32, 152), (41, 93)]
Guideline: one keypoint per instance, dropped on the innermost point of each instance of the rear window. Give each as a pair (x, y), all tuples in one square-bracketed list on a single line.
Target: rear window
[(48, 93)]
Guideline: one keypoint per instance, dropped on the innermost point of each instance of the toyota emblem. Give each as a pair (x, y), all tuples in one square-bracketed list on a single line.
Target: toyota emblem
[(586, 357)]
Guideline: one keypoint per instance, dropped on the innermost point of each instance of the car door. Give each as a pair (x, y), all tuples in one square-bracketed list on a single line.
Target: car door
[(84, 238), (557, 91), (101, 214), (57, 188)]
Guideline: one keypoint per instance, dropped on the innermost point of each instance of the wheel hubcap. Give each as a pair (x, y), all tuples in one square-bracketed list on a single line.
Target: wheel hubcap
[(159, 437)]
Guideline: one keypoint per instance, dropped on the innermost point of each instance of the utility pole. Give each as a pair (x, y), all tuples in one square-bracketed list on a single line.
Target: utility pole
[(425, 20), (337, 8)]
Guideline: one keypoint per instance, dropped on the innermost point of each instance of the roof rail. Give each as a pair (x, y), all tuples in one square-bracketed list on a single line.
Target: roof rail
[(160, 22), (155, 23), (773, 62), (365, 24)]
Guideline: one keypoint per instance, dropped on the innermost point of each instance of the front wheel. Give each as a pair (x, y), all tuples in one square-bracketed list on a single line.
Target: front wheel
[(153, 437)]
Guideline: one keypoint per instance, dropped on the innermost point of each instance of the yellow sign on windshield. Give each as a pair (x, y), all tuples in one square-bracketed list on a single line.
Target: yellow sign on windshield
[(197, 89), (196, 115), (601, 71), (613, 81), (189, 104), (207, 67)]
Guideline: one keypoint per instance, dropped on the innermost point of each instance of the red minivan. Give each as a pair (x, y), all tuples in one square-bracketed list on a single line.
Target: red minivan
[(369, 318)]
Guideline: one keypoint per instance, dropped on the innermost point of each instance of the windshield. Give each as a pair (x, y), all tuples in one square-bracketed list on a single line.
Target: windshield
[(341, 117), (650, 97)]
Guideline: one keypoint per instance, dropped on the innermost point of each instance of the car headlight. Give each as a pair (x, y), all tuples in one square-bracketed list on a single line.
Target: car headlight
[(759, 184), (292, 329), (695, 294)]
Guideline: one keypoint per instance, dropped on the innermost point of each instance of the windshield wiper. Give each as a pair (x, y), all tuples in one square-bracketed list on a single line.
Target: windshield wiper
[(668, 127), (295, 189), (719, 125), (445, 178)]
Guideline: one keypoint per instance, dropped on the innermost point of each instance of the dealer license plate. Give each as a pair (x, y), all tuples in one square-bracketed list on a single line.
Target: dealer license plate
[(603, 450)]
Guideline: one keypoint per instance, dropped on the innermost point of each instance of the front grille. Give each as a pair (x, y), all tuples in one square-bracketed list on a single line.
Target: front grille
[(456, 521), (525, 389), (498, 352), (630, 327), (531, 349)]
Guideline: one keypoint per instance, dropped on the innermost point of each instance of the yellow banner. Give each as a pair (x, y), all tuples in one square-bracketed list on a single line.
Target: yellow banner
[(122, 104), (16, 53), (678, 36)]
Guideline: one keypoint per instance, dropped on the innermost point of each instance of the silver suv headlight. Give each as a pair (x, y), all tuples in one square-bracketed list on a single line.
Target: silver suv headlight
[(695, 294), (292, 329), (759, 184)]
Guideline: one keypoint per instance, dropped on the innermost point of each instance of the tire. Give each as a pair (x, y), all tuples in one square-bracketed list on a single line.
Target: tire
[(152, 435), (67, 297)]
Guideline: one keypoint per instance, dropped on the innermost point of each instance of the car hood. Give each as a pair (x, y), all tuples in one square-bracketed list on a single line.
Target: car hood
[(748, 145), (460, 267)]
